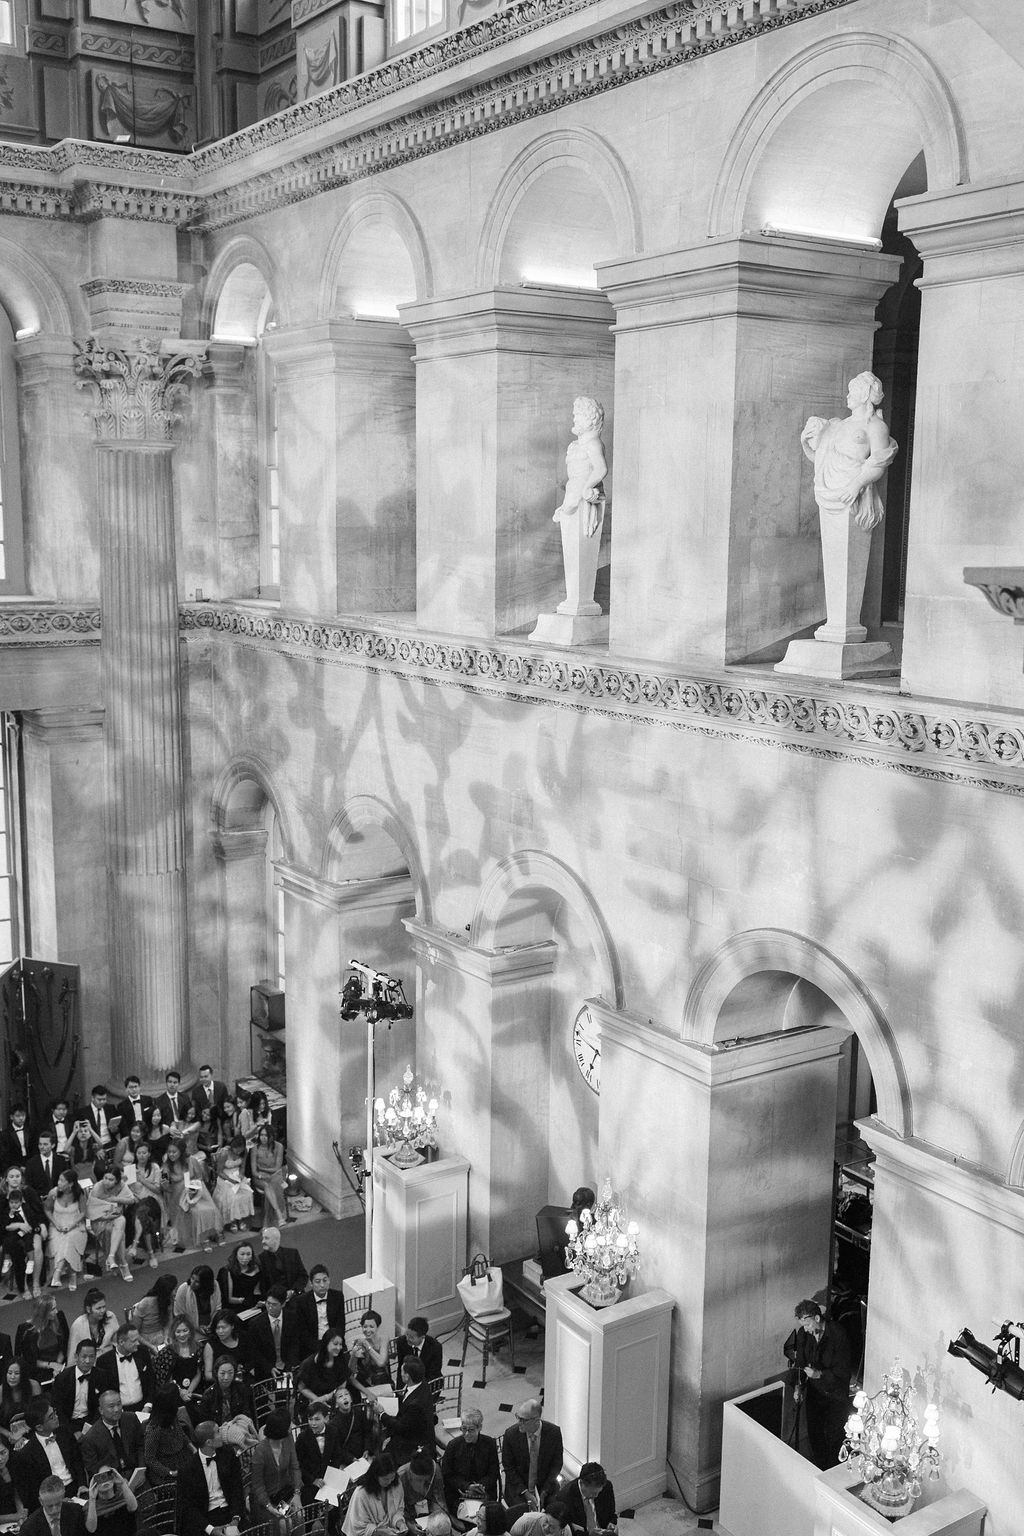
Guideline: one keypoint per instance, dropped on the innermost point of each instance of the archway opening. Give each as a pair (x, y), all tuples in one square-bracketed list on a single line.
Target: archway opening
[(375, 272), (561, 225)]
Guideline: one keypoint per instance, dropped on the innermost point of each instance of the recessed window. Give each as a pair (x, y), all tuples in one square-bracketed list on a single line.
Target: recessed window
[(6, 23), (411, 16)]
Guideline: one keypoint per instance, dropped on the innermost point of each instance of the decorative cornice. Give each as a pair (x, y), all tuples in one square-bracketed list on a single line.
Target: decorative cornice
[(137, 389), (670, 36), (498, 967), (943, 1176), (1002, 586), (33, 202), (106, 45), (834, 722), (24, 624), (93, 200), (302, 10)]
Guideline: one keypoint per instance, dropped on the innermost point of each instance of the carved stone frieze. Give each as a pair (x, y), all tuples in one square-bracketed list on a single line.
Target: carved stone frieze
[(886, 732), (33, 202), (275, 52), (138, 389), (43, 40), (92, 200), (21, 624), (302, 10), (107, 45)]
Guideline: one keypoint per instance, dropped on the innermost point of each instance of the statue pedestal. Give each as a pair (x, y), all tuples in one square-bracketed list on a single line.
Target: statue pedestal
[(572, 629), (577, 620), (824, 658), (419, 1236)]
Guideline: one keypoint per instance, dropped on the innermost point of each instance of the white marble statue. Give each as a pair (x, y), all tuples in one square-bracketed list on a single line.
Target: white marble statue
[(581, 512)]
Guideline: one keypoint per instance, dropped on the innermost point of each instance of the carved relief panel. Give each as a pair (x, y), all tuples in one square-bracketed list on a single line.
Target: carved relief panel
[(164, 15)]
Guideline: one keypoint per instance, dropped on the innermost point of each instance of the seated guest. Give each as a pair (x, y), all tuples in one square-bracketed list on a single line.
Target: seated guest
[(17, 1143), (425, 1508), (275, 1336), (241, 1280), (167, 1443), (114, 1440), (111, 1504), (127, 1368), (101, 1118), (179, 1365), (48, 1448), (145, 1219), (153, 1313), (8, 1492), (228, 1398), (210, 1491), (323, 1443), (95, 1323), (199, 1299), (44, 1166), (281, 1266), (319, 1308), (16, 1392), (491, 1520), (42, 1343), (52, 1513), (172, 1104), (83, 1146), (68, 1236), (416, 1340), (350, 1424), (469, 1466), (128, 1144), (318, 1377), (61, 1124), (275, 1474), (531, 1454), (209, 1092), (22, 1227), (135, 1108), (377, 1505), (227, 1340), (587, 1504), (105, 1209), (412, 1427), (369, 1353), (74, 1392), (266, 1169)]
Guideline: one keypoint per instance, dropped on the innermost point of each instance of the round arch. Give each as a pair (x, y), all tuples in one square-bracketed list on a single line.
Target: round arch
[(573, 151), (382, 207), (243, 770), (777, 949), (364, 820), (528, 870), (241, 276), (31, 295), (832, 85)]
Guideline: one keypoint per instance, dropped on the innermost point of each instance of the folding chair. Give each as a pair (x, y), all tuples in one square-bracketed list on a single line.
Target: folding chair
[(446, 1391)]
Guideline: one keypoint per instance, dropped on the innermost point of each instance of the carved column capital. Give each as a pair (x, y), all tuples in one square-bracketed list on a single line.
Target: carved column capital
[(138, 387)]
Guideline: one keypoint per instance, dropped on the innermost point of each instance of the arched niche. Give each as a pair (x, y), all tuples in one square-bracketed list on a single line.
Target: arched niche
[(828, 138), (377, 260), (241, 293), (564, 203), (34, 300)]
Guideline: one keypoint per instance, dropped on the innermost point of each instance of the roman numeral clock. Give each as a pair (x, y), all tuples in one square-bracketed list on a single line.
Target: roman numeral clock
[(586, 1048)]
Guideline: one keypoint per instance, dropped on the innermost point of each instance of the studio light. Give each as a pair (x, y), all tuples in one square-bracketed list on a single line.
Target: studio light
[(1000, 1366), (374, 995)]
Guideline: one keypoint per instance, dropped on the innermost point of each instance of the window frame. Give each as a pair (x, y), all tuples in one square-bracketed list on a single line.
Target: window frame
[(12, 551), (396, 44)]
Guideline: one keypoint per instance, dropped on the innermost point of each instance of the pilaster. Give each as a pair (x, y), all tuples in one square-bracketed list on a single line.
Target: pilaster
[(222, 554), (61, 536), (722, 351), (346, 431), (496, 375)]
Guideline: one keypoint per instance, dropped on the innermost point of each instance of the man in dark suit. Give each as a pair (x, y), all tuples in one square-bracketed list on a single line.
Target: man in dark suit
[(172, 1103), (102, 1119), (572, 1504), (44, 1167), (17, 1142), (73, 1391), (210, 1491), (136, 1108), (319, 1308), (531, 1454), (48, 1449), (412, 1427), (53, 1516), (416, 1340), (276, 1336), (114, 1440), (209, 1092), (470, 1461), (281, 1266), (127, 1369)]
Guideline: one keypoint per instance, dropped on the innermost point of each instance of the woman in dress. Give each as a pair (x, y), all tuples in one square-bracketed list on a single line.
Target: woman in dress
[(42, 1344), (128, 1145), (173, 1173), (232, 1193), (319, 1377), (267, 1163), (153, 1313), (167, 1446), (254, 1114), (276, 1476), (227, 1341), (145, 1217), (226, 1398), (16, 1393), (209, 1139), (68, 1234), (105, 1210), (159, 1136), (370, 1353), (241, 1280), (198, 1217), (180, 1363), (199, 1299), (377, 1505), (228, 1121)]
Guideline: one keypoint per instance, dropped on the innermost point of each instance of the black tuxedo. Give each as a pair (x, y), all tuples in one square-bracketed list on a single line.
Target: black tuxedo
[(131, 1114), (11, 1155), (260, 1336), (107, 1380), (568, 1507), (412, 1426), (200, 1100), (285, 1267), (308, 1319), (343, 1444), (194, 1495), (72, 1522), (35, 1175), (167, 1114), (90, 1113), (99, 1450), (463, 1464), (30, 1464), (430, 1353), (515, 1458), (61, 1393)]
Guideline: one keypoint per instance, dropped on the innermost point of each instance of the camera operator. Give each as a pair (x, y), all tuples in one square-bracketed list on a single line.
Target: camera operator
[(821, 1366)]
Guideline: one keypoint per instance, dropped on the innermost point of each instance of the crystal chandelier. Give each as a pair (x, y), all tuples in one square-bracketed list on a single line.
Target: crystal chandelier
[(406, 1123), (602, 1249), (887, 1447)]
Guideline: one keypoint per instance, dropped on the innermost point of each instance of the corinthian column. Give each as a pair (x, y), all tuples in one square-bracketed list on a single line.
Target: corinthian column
[(137, 389)]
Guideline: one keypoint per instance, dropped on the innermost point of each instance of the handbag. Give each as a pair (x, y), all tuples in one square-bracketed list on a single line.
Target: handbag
[(481, 1287)]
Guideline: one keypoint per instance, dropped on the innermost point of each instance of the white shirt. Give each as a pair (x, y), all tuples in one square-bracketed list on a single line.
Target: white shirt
[(213, 1484), (60, 1130), (101, 1125), (128, 1377), (58, 1466), (81, 1395), (321, 1317)]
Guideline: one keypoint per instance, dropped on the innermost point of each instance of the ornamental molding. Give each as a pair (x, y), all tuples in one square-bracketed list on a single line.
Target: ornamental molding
[(134, 285), (670, 36), (34, 202), (282, 48), (53, 44), (137, 389), (842, 723), (92, 200), (302, 10), (23, 624), (105, 45)]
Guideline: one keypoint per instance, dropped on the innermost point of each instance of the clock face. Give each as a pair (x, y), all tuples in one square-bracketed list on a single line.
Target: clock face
[(586, 1048)]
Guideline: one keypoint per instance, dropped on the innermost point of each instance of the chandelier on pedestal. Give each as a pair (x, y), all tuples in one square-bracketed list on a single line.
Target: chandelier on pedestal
[(602, 1249), (885, 1444), (407, 1124)]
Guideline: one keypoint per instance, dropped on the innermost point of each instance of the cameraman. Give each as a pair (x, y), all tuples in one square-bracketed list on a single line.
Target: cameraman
[(820, 1370)]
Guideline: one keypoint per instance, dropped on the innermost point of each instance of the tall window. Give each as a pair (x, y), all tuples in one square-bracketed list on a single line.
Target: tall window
[(9, 927), (11, 573), (409, 16), (267, 437), (6, 23)]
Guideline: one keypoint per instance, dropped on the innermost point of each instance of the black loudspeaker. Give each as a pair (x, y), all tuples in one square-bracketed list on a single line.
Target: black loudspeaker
[(266, 1006)]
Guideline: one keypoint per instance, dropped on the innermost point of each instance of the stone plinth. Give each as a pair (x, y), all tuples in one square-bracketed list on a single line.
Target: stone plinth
[(824, 658), (419, 1236), (841, 1513)]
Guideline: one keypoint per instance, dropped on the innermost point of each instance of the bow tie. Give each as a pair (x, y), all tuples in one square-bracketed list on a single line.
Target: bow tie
[(209, 1460), (47, 1439)]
